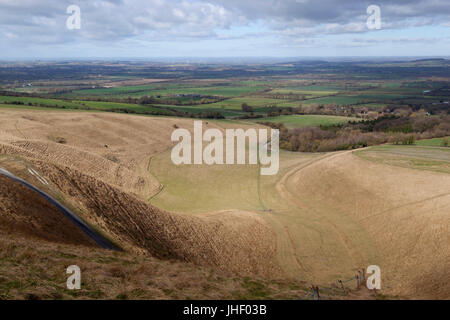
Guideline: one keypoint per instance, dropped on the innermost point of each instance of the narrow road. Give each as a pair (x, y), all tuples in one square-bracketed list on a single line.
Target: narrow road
[(90, 232)]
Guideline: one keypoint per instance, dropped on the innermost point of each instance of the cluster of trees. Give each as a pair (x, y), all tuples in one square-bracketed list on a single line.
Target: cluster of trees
[(327, 109), (145, 112), (246, 108), (286, 96), (361, 110), (20, 103), (162, 111), (338, 110), (362, 134), (198, 115), (44, 105), (277, 111), (208, 115), (316, 139), (148, 100)]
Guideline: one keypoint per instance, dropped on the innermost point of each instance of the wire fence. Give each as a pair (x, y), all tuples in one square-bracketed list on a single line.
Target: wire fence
[(340, 287)]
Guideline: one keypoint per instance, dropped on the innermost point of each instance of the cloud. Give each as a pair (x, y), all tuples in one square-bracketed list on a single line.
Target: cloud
[(113, 20), (26, 23), (315, 17)]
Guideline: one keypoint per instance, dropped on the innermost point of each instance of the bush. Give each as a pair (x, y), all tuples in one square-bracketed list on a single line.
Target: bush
[(246, 108)]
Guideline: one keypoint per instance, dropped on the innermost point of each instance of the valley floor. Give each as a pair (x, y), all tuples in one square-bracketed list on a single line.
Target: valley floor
[(320, 220)]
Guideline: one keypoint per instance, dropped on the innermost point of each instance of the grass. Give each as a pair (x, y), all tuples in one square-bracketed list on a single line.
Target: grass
[(338, 100), (235, 92), (203, 188), (307, 93), (26, 107), (315, 88), (421, 157), (436, 142), (40, 104), (236, 103), (171, 89), (35, 270), (298, 121)]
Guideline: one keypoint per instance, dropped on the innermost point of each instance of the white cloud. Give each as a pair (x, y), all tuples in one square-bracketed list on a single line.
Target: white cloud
[(31, 22)]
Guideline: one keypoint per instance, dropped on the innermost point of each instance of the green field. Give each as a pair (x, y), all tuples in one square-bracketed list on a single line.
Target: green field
[(337, 100), (298, 121), (436, 142), (236, 103), (171, 89), (200, 97), (32, 103), (308, 93)]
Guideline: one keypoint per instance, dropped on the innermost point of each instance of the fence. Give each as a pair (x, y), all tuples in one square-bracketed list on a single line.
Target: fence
[(338, 288)]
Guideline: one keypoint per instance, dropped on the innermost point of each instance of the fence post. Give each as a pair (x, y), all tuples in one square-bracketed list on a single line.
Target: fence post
[(315, 290), (357, 282), (342, 285)]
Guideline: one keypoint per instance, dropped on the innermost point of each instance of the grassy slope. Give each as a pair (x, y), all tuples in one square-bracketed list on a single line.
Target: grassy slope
[(236, 103), (74, 104), (416, 157), (316, 242), (298, 121), (403, 212), (201, 189), (436, 142), (37, 270)]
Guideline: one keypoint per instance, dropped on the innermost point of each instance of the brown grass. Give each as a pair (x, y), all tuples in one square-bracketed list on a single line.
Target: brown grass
[(112, 195), (37, 270), (326, 216), (402, 213), (25, 212)]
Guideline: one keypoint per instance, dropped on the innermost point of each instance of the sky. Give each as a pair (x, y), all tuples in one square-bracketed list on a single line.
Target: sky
[(39, 29)]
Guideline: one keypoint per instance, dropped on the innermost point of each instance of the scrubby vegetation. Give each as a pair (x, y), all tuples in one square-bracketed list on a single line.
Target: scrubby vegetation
[(392, 129), (36, 270)]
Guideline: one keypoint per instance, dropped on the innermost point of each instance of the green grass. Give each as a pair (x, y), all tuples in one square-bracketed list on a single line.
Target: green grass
[(316, 88), (338, 100), (116, 90), (298, 121), (436, 142), (203, 188), (236, 103), (40, 104), (308, 93), (26, 107), (224, 91), (165, 90)]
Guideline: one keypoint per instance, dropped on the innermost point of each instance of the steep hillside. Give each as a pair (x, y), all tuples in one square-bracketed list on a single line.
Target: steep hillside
[(402, 212), (97, 164)]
